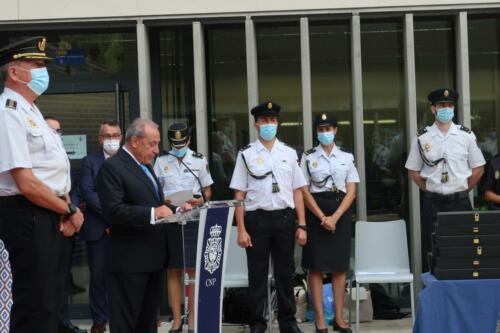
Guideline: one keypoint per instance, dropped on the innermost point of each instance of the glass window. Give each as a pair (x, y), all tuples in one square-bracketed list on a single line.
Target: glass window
[(384, 119), (484, 64), (227, 103), (434, 62), (330, 47), (177, 80), (278, 48)]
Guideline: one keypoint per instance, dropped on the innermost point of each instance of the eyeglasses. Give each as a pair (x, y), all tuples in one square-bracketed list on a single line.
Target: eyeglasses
[(109, 136)]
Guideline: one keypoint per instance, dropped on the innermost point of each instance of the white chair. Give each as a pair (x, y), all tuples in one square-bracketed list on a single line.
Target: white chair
[(236, 271), (381, 256)]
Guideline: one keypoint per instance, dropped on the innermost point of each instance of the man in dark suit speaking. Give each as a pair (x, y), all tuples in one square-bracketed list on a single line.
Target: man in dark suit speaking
[(131, 200)]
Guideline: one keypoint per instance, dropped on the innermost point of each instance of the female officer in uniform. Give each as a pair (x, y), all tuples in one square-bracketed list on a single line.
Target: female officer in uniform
[(332, 178), (182, 169)]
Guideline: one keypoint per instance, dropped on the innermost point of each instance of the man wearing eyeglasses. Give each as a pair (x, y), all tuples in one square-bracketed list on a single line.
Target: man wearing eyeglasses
[(96, 231)]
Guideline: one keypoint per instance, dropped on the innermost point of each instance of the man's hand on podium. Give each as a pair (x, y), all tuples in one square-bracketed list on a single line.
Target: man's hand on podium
[(163, 211)]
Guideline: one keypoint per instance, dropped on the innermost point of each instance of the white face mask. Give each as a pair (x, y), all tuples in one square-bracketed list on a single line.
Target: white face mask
[(111, 146)]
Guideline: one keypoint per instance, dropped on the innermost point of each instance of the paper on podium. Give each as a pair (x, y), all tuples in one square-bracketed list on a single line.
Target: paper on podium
[(178, 198)]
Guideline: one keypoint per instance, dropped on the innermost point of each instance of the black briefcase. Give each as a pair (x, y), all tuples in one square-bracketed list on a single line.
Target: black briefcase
[(466, 274), (468, 218), (462, 241), (470, 229), (466, 263), (480, 251)]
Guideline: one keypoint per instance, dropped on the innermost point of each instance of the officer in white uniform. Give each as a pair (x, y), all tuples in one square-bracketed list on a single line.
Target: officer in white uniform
[(182, 169), (34, 185), (445, 162), (267, 176), (332, 178)]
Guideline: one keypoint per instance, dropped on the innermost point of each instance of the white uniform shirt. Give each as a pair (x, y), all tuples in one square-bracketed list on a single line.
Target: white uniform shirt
[(175, 177), (460, 150), (282, 161), (338, 164), (26, 141)]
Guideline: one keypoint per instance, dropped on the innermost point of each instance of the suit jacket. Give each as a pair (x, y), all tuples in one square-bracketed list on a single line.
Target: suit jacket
[(95, 225), (127, 195)]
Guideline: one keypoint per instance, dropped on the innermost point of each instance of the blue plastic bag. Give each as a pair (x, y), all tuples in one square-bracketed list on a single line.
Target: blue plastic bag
[(327, 305)]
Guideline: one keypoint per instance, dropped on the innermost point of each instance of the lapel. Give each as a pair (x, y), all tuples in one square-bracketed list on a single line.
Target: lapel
[(132, 167)]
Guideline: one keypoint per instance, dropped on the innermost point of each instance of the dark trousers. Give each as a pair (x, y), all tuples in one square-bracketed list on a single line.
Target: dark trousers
[(96, 252), (271, 233), (67, 244), (134, 302), (431, 205), (32, 238)]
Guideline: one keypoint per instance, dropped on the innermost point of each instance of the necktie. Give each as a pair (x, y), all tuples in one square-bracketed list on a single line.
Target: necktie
[(150, 176)]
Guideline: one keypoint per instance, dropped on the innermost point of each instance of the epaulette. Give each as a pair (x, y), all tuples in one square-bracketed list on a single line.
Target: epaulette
[(11, 104), (465, 129), (245, 148), (310, 151), (421, 131), (197, 155), (345, 150)]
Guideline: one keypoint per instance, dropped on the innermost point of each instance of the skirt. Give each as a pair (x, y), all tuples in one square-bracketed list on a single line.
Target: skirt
[(182, 241), (326, 251)]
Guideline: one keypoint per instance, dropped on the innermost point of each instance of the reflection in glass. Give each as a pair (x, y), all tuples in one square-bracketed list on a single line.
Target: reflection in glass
[(177, 80), (227, 103), (484, 64), (434, 62), (330, 45), (278, 49), (384, 119)]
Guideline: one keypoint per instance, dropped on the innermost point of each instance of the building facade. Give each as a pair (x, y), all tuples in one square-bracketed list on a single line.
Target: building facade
[(371, 63)]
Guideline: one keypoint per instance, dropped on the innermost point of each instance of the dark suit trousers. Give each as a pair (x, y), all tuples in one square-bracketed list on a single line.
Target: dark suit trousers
[(32, 238), (96, 252), (272, 233), (65, 256), (428, 215), (134, 302)]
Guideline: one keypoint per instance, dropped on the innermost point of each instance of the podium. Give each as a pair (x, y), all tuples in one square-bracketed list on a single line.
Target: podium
[(212, 221)]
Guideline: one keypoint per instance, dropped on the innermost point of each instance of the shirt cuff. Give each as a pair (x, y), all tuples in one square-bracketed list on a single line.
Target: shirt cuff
[(152, 220)]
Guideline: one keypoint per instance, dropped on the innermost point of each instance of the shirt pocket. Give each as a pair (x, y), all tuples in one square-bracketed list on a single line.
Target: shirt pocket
[(341, 171), (458, 152), (284, 170), (36, 141), (319, 174)]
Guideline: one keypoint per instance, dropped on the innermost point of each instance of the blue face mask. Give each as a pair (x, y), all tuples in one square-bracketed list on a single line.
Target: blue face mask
[(39, 80), (444, 115), (268, 131), (179, 152), (326, 138)]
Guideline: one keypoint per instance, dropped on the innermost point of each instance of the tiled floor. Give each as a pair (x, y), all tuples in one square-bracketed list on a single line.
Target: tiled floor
[(376, 326)]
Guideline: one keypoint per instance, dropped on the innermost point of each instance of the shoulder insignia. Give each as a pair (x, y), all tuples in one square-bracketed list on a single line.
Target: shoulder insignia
[(11, 104), (245, 148), (421, 131), (197, 155), (310, 151), (465, 129), (345, 150)]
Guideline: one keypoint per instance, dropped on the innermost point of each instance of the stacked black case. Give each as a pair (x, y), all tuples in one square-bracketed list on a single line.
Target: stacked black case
[(466, 245)]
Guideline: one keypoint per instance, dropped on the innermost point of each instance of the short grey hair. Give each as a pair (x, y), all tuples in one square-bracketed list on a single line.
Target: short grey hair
[(136, 128), (3, 71)]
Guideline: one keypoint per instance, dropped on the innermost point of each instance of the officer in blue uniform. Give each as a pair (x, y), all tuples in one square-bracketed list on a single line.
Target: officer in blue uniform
[(267, 176)]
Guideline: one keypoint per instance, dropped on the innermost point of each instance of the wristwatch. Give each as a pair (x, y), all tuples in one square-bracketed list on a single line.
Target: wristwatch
[(302, 226), (71, 210)]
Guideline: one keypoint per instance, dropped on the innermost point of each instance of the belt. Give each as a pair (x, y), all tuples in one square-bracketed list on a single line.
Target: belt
[(447, 197), (14, 200), (271, 213)]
